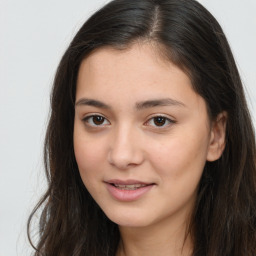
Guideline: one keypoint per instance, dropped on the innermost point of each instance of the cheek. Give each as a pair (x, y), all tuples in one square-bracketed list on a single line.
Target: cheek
[(181, 155), (88, 153), (88, 164), (85, 155)]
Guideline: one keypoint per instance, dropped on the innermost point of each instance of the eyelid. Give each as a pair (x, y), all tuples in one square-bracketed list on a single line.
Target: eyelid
[(91, 115), (168, 121), (168, 118)]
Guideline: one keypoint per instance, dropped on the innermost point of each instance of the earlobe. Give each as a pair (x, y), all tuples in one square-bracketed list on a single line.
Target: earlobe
[(218, 137)]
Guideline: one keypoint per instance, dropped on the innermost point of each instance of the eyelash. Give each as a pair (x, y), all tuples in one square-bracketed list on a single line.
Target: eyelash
[(91, 122), (89, 119), (160, 118)]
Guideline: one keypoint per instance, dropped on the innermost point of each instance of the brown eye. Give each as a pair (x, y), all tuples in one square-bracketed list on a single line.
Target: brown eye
[(159, 120), (96, 120)]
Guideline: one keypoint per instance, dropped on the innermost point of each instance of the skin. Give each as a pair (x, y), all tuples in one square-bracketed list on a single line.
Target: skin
[(127, 142)]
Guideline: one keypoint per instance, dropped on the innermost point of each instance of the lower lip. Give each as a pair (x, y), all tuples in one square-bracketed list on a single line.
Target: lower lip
[(127, 195)]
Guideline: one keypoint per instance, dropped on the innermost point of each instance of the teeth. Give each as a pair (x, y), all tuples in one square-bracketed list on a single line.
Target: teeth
[(129, 187)]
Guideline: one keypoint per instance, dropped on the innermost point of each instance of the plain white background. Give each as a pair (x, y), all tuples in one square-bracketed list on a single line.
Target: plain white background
[(33, 37)]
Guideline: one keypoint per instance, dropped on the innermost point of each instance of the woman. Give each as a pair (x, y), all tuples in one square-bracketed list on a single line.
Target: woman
[(150, 148)]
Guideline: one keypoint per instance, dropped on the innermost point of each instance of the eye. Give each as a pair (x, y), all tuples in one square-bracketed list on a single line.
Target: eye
[(159, 121), (96, 120)]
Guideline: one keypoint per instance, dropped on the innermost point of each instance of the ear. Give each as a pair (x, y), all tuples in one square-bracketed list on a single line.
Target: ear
[(217, 137)]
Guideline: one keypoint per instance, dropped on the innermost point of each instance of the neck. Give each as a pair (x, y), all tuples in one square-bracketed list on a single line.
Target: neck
[(159, 239)]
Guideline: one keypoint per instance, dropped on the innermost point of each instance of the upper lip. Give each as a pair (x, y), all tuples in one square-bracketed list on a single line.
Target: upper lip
[(127, 182)]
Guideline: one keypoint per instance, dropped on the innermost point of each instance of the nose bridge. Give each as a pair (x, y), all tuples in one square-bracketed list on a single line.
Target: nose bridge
[(124, 150)]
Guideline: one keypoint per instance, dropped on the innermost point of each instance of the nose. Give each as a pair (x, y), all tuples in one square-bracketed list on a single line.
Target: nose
[(125, 149)]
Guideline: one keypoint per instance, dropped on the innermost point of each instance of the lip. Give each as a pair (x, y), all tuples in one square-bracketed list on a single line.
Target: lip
[(130, 194), (127, 182)]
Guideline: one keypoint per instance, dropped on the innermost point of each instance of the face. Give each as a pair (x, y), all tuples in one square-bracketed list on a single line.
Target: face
[(141, 136)]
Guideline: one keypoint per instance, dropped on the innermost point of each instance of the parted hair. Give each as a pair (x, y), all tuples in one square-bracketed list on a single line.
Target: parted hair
[(223, 222)]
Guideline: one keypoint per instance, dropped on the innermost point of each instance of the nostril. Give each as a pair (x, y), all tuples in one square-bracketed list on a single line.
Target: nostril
[(125, 157)]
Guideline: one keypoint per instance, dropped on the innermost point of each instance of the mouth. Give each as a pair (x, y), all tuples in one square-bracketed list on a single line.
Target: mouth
[(128, 190), (129, 187), (128, 184)]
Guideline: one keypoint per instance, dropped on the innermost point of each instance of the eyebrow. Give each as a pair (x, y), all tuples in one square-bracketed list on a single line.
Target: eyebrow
[(91, 102), (139, 105), (158, 102)]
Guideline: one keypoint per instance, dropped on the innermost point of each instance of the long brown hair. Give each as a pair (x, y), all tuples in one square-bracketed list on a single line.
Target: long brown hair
[(224, 218)]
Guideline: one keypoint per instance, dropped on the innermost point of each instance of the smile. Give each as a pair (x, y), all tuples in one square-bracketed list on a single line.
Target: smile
[(129, 187), (126, 191)]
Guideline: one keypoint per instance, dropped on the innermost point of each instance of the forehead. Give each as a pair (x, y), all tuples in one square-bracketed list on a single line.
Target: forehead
[(140, 65), (139, 49)]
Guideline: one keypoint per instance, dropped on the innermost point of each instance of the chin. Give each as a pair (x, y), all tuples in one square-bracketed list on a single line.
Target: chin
[(129, 219), (131, 223)]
